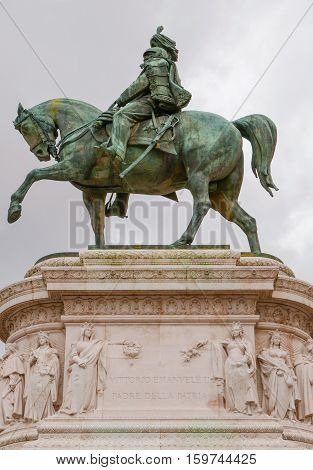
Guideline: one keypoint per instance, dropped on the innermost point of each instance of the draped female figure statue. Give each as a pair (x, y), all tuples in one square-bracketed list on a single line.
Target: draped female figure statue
[(42, 380), (86, 373), (304, 372), (280, 391), (12, 385), (240, 388)]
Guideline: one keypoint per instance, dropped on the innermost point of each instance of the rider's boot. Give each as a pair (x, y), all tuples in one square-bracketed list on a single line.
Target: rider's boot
[(108, 150), (118, 208), (117, 163)]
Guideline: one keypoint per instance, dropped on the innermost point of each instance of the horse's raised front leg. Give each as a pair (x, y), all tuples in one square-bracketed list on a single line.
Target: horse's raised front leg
[(58, 172), (199, 188), (95, 203)]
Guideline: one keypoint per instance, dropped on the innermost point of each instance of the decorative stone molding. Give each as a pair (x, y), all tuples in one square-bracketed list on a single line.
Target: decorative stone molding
[(68, 261), (18, 435), (294, 288), (161, 257), (18, 289), (47, 312), (258, 261), (285, 315), (299, 433), (53, 434), (159, 305), (156, 274), (171, 256), (55, 424)]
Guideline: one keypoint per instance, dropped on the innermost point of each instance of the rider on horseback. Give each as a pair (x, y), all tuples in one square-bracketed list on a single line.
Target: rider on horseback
[(157, 90)]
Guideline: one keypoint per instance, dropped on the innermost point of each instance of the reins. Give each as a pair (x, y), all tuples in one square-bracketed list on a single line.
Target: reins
[(84, 129), (55, 149), (42, 132)]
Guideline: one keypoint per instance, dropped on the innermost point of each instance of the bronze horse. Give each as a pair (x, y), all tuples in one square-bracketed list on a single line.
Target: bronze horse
[(209, 162)]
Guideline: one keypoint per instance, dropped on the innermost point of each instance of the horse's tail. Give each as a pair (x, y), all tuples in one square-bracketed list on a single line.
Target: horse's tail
[(262, 134)]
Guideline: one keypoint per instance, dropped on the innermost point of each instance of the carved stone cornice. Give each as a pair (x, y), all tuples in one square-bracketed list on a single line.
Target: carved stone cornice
[(160, 256), (68, 261), (26, 288), (260, 261), (155, 273), (293, 288)]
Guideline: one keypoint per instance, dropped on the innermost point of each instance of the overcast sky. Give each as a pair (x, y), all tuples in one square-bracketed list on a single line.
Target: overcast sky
[(93, 50)]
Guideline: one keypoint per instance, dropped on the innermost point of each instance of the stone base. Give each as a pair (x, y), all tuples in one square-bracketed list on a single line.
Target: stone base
[(158, 312), (94, 434)]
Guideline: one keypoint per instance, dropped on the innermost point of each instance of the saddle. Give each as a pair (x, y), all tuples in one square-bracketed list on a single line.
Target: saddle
[(144, 132)]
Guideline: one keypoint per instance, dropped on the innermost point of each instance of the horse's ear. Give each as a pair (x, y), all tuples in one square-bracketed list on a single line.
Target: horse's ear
[(20, 109)]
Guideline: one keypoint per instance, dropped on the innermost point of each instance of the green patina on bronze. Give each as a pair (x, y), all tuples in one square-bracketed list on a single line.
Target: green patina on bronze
[(205, 157), (157, 90)]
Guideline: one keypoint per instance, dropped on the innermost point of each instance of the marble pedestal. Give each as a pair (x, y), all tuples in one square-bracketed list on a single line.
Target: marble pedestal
[(158, 313)]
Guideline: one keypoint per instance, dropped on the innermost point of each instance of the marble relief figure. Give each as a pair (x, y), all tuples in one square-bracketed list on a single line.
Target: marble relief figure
[(240, 367), (1, 388), (304, 373), (42, 380), (280, 391), (12, 385), (86, 373)]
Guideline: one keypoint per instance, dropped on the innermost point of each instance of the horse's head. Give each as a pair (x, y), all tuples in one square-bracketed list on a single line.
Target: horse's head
[(40, 133)]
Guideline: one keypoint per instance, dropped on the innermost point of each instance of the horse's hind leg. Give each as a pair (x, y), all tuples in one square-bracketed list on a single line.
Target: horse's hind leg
[(95, 203), (199, 188), (232, 211)]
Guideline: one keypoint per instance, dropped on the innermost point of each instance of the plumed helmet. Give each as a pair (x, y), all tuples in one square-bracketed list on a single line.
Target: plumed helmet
[(160, 40)]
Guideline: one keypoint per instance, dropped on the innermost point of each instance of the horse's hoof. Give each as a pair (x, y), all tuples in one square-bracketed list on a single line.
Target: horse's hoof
[(14, 213), (181, 242)]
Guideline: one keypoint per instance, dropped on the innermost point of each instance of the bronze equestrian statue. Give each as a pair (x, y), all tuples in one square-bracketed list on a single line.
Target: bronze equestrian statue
[(195, 150)]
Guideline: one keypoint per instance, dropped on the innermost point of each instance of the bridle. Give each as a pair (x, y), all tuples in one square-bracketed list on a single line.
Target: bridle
[(45, 138)]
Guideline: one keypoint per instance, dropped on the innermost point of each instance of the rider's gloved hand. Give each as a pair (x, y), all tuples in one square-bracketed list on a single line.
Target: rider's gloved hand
[(97, 124)]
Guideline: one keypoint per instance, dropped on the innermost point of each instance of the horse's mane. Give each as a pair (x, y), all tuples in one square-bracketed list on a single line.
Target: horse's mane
[(80, 105)]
